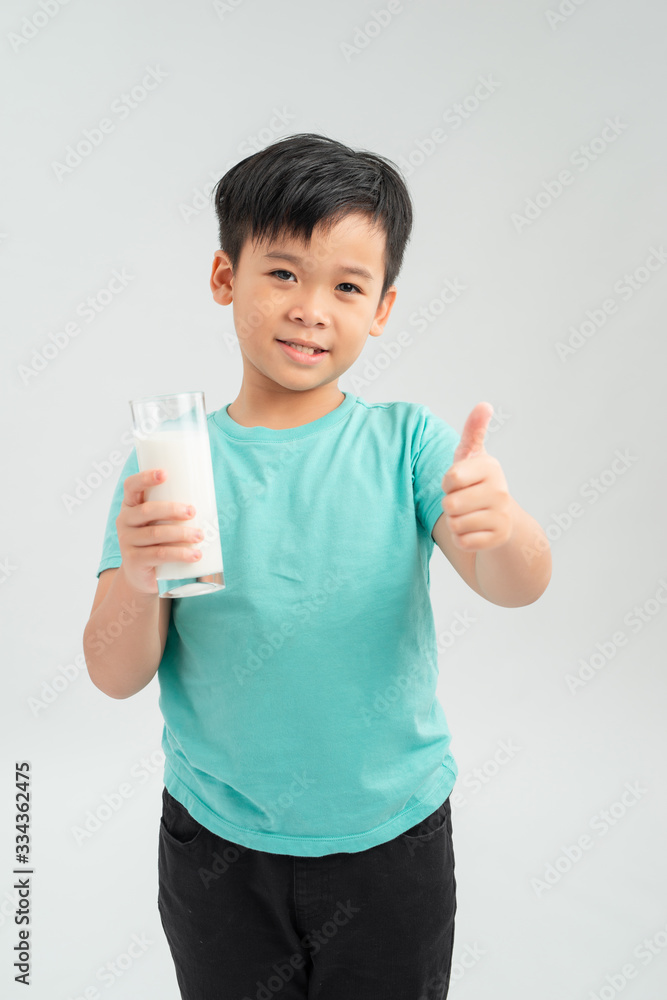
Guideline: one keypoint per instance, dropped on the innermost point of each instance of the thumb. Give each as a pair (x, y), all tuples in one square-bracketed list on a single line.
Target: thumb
[(474, 430)]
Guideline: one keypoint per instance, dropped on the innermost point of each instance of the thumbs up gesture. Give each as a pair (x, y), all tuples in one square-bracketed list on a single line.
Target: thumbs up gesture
[(480, 511)]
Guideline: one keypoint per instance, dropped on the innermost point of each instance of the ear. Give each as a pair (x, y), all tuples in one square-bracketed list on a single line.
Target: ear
[(382, 312), (222, 278)]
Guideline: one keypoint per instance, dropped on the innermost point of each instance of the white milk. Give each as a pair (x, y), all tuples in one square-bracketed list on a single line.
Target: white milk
[(185, 457)]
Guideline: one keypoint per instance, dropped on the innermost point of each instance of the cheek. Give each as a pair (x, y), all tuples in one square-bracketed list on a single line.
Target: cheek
[(262, 309), (249, 316)]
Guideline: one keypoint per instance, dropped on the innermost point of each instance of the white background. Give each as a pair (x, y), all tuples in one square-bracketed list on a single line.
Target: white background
[(235, 79)]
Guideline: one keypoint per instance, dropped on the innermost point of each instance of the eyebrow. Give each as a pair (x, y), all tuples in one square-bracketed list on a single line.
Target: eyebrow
[(361, 272)]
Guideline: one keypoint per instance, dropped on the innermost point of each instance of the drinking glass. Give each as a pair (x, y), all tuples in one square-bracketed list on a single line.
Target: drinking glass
[(171, 433)]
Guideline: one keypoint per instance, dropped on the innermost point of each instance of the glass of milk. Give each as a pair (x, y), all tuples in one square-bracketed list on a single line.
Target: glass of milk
[(171, 433)]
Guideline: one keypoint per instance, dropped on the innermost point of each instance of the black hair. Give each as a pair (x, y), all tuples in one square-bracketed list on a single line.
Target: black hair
[(305, 180)]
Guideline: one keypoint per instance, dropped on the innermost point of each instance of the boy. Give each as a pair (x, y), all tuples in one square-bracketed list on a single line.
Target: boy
[(305, 843)]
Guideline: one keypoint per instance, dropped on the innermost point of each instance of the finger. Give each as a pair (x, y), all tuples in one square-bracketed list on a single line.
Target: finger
[(134, 486), (473, 520), (475, 541), (155, 535), (467, 498), (474, 431), (157, 511)]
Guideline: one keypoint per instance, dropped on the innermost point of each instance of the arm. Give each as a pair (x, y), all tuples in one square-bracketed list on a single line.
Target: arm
[(518, 572), (125, 636), (500, 551), (511, 575)]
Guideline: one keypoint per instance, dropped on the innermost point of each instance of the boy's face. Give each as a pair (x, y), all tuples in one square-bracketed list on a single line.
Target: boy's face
[(316, 299)]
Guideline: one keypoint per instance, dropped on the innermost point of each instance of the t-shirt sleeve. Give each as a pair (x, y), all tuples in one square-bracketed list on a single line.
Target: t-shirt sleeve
[(111, 556), (434, 444)]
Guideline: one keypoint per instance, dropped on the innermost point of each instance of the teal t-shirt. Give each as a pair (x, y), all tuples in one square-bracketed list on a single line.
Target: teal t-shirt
[(299, 703)]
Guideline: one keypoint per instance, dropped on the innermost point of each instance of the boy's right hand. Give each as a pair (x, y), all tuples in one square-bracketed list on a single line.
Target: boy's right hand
[(144, 543)]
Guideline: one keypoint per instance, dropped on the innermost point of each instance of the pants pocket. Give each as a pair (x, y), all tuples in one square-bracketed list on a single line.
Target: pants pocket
[(439, 820), (176, 823)]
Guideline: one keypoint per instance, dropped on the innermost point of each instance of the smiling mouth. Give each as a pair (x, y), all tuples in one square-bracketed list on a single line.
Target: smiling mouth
[(303, 350)]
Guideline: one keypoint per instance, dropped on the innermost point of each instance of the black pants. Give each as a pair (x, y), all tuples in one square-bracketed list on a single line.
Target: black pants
[(243, 924)]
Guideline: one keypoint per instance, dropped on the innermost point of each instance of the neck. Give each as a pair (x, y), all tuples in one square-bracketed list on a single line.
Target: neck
[(283, 408)]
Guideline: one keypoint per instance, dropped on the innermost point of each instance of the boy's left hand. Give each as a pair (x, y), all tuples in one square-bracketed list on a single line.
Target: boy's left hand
[(478, 505)]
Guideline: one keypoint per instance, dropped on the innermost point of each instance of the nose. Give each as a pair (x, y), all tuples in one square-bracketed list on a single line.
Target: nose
[(309, 311)]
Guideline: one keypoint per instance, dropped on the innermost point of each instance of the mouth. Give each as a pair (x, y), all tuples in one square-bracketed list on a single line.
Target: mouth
[(304, 355)]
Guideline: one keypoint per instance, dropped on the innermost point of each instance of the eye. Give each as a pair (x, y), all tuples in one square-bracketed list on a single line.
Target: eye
[(349, 285)]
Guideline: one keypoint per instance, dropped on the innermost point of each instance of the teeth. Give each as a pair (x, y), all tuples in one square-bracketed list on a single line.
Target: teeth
[(298, 347)]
